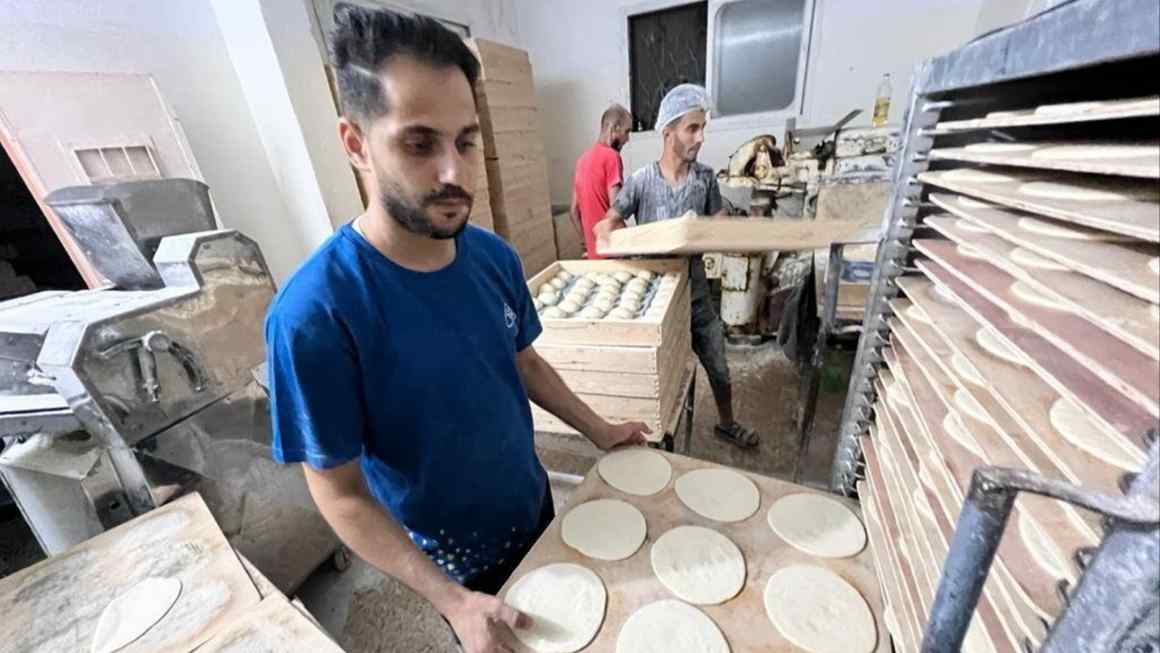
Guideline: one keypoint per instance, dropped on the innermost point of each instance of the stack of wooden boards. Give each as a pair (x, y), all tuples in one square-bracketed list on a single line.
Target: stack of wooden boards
[(699, 235), (517, 173), (224, 603), (626, 370), (1029, 338)]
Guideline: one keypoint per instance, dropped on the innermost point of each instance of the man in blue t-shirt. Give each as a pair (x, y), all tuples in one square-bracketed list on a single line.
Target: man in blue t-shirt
[(400, 353)]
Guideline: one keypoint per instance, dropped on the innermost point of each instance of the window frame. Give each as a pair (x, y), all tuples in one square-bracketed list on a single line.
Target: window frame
[(796, 109)]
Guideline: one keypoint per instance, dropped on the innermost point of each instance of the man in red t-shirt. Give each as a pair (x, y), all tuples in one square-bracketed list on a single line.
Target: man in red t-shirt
[(599, 175)]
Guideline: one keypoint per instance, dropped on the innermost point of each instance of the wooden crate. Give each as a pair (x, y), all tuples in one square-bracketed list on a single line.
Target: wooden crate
[(626, 370)]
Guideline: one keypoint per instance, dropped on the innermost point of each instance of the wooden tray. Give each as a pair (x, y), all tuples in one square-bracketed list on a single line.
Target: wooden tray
[(54, 605), (887, 564), (1134, 216), (631, 583), (1109, 110), (273, 625), (1146, 165), (1119, 261), (698, 235)]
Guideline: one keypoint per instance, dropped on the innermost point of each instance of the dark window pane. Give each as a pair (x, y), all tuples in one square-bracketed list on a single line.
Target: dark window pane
[(665, 48), (758, 45)]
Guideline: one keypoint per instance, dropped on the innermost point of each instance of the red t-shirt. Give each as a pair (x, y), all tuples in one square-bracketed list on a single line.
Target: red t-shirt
[(597, 170)]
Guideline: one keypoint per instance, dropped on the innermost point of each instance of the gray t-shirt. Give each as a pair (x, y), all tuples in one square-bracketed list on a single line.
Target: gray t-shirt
[(650, 198)]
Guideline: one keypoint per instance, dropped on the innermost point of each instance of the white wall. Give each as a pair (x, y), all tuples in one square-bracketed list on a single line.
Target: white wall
[(179, 43), (580, 62)]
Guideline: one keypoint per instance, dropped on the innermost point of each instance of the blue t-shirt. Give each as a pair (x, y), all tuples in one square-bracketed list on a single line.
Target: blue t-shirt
[(416, 374)]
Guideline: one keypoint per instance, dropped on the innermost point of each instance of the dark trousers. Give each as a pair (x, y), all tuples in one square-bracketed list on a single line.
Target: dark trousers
[(493, 579)]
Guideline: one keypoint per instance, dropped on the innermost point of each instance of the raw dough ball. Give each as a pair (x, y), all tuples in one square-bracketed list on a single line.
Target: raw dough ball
[(585, 283), (647, 275), (579, 299), (610, 284), (554, 313), (637, 470), (566, 603), (547, 289), (630, 303), (1056, 191), (622, 276), (566, 275), (670, 626), (538, 304), (818, 611), (605, 529), (549, 299), (699, 565), (603, 303), (639, 285), (633, 293), (592, 313), (568, 307), (621, 313), (558, 283), (719, 494), (971, 176), (818, 525), (999, 148), (133, 612)]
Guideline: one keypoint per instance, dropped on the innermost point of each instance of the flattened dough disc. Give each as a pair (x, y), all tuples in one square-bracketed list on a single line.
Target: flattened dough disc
[(816, 610), (636, 471), (605, 529), (719, 494), (670, 626), (566, 603), (699, 565), (133, 612), (817, 525)]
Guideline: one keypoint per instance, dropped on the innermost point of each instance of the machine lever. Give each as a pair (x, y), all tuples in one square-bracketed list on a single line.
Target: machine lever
[(145, 349)]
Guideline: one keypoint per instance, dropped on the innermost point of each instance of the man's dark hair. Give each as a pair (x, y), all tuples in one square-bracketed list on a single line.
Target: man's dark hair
[(614, 115), (362, 42)]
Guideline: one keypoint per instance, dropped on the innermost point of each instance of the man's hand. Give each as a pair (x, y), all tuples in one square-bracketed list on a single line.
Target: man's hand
[(617, 435), (483, 623)]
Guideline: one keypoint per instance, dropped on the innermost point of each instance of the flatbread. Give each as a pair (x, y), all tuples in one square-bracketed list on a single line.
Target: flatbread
[(604, 529), (1077, 428), (698, 565), (670, 626), (1097, 152), (972, 203), (636, 470), (1056, 191), (133, 612), (971, 176), (1042, 548), (993, 345), (1068, 108), (817, 525), (719, 494), (919, 313), (999, 148), (1028, 259), (566, 603), (1051, 229), (953, 426), (818, 611), (966, 370), (1032, 296)]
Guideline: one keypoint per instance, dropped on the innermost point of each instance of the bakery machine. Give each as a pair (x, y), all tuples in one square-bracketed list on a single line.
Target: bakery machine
[(1000, 427), (114, 401)]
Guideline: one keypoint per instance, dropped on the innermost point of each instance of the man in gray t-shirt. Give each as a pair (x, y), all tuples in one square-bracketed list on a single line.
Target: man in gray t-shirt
[(669, 188)]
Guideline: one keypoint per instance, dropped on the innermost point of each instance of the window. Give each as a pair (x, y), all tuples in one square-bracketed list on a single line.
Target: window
[(665, 48), (757, 47), (117, 163)]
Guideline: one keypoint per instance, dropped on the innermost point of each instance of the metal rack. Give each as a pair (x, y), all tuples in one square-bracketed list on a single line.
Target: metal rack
[(1083, 50)]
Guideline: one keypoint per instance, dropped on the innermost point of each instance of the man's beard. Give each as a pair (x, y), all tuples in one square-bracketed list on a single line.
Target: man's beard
[(413, 216), (616, 144)]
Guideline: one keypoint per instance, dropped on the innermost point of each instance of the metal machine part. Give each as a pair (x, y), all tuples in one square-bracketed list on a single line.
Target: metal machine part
[(114, 401)]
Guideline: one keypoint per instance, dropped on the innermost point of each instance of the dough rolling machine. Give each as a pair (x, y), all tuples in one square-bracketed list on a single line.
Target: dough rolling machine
[(114, 401)]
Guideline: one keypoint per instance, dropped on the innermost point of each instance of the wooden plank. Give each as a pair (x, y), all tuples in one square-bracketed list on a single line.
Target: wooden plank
[(1115, 363), (697, 235), (1028, 391), (54, 605), (500, 61), (272, 625), (631, 583), (1124, 317), (499, 95), (886, 562), (1134, 160), (601, 358), (614, 384), (1131, 210), (996, 434), (1057, 115), (1120, 262)]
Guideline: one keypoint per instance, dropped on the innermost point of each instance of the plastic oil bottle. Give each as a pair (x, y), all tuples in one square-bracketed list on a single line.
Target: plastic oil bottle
[(882, 102)]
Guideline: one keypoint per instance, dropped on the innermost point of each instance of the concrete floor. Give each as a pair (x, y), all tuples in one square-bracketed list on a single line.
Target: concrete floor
[(367, 612)]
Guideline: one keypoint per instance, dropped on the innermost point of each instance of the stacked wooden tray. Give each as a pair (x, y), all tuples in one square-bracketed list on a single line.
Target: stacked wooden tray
[(625, 369), (1028, 337), (517, 172)]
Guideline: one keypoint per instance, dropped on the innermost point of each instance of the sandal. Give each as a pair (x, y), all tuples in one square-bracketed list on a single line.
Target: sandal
[(737, 434)]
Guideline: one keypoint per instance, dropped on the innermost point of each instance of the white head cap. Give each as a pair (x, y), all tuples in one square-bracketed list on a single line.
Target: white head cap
[(681, 100)]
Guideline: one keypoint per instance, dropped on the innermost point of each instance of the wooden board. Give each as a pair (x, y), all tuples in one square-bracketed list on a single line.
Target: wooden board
[(697, 235), (631, 583), (54, 605), (897, 595), (1109, 110), (1135, 215), (1123, 264), (500, 61), (1084, 158), (1119, 314), (1087, 347), (272, 625), (1024, 397)]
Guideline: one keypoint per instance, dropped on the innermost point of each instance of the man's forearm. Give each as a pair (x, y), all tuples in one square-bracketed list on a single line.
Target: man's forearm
[(363, 525)]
